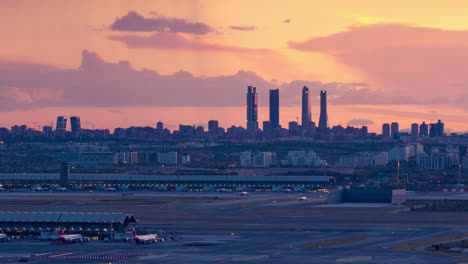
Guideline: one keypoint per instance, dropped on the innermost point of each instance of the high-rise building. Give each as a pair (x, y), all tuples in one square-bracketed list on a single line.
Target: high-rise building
[(213, 126), (160, 125), (395, 129), (432, 130), (414, 129), (75, 124), (267, 128), (440, 128), (61, 123), (252, 108), (386, 130), (323, 121), (436, 129), (424, 130), (306, 111), (274, 108)]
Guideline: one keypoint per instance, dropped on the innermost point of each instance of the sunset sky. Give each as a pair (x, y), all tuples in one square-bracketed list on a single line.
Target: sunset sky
[(122, 63)]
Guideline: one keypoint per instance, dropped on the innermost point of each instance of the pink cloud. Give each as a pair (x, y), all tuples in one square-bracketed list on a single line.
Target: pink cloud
[(407, 60), (176, 41)]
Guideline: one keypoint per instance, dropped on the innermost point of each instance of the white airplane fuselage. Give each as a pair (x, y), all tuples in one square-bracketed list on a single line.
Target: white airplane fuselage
[(3, 237), (70, 238)]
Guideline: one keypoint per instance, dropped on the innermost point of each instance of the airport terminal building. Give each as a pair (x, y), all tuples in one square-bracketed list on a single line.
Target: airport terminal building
[(169, 182), (87, 224)]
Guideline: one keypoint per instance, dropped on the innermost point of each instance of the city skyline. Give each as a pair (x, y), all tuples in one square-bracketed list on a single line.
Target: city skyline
[(110, 71), (307, 126)]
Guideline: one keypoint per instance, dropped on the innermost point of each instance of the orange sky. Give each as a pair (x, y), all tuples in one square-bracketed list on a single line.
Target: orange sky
[(56, 32)]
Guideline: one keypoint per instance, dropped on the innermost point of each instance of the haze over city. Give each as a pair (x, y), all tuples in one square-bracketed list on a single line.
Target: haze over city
[(118, 64)]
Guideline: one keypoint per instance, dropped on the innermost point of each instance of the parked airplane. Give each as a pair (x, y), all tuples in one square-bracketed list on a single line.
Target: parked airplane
[(144, 239), (70, 238), (4, 237), (38, 188)]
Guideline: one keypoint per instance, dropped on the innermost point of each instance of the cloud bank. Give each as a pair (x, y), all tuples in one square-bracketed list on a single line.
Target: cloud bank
[(99, 83)]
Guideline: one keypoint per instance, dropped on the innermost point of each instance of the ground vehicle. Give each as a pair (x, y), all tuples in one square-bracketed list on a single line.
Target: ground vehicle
[(302, 198), (244, 193)]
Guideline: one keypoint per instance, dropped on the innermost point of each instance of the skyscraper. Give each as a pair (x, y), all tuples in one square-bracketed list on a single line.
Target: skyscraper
[(274, 108), (75, 124), (159, 125), (306, 112), (436, 129), (252, 108), (440, 127), (61, 123), (432, 130), (395, 129), (212, 126), (323, 121), (386, 130), (414, 129), (424, 130)]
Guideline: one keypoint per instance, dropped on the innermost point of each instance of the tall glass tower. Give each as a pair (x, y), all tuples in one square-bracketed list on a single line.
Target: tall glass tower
[(323, 121), (61, 123), (75, 123), (306, 111), (274, 108), (252, 108)]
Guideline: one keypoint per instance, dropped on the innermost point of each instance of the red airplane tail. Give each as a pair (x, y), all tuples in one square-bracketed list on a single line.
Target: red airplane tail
[(60, 233), (134, 232)]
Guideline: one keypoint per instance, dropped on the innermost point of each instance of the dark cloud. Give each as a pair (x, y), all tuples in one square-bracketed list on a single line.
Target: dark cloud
[(133, 21), (175, 41), (243, 28), (104, 84), (287, 21), (360, 122)]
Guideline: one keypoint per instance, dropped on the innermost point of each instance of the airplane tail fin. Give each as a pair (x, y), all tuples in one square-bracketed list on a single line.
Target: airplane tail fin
[(60, 232), (134, 232)]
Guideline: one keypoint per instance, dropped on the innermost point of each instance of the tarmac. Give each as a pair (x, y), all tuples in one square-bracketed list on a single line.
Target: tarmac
[(229, 228)]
